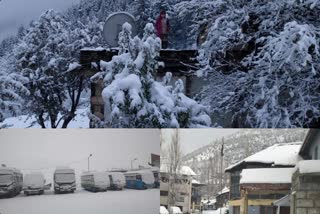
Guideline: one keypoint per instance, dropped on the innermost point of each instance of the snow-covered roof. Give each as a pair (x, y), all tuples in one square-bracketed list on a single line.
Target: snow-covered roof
[(309, 166), (224, 190), (8, 170), (277, 155), (267, 176), (184, 170), (194, 181)]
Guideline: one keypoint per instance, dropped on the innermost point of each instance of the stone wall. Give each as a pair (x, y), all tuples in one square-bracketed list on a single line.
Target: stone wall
[(305, 196)]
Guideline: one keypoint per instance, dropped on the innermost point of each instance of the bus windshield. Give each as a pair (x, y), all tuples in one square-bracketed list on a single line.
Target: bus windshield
[(5, 179), (65, 177)]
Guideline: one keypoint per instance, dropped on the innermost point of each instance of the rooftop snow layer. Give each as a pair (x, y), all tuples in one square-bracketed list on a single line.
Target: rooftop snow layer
[(309, 166), (224, 190), (267, 176), (185, 170), (277, 155)]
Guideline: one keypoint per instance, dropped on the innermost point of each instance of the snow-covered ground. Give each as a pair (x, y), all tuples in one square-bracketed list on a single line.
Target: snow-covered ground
[(223, 211), (83, 202), (80, 121)]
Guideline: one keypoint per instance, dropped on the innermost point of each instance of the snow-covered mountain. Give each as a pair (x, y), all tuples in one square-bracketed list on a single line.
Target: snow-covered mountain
[(205, 161)]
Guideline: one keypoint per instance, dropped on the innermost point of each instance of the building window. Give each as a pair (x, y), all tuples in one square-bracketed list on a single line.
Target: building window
[(164, 193), (235, 185), (316, 155)]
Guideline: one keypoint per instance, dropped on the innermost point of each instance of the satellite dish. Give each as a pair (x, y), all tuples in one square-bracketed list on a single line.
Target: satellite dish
[(113, 26)]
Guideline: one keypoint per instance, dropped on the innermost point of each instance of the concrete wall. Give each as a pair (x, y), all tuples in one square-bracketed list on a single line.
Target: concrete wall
[(305, 197)]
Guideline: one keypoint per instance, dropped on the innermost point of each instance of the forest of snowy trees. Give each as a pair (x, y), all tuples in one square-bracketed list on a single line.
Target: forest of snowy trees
[(261, 60)]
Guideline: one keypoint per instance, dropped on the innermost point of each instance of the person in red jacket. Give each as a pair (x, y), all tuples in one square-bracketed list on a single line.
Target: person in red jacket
[(163, 27)]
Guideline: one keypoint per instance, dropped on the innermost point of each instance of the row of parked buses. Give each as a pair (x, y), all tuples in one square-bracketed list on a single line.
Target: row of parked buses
[(12, 181)]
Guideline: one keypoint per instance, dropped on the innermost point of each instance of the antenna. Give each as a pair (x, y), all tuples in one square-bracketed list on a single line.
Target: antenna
[(113, 26)]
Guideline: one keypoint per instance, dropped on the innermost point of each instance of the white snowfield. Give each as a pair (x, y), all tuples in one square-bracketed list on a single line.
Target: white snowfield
[(267, 176), (83, 202), (277, 155), (223, 211)]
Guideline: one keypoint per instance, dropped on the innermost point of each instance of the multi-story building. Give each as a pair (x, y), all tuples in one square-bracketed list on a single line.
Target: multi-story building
[(305, 194), (254, 184), (182, 188)]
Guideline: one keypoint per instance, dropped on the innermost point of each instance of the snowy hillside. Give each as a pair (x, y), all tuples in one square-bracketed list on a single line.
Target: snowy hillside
[(205, 161)]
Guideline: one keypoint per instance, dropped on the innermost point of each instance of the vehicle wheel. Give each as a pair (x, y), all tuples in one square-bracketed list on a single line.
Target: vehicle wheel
[(56, 192)]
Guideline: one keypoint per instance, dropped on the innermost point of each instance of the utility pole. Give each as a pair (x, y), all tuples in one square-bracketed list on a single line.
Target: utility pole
[(89, 162), (221, 164)]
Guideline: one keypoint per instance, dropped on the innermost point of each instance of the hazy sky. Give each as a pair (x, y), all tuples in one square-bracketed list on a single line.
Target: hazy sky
[(44, 150), (14, 13), (192, 139)]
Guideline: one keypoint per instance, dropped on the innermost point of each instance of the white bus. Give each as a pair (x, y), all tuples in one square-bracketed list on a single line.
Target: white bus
[(34, 184), (11, 181), (117, 180), (95, 181), (64, 180), (140, 179)]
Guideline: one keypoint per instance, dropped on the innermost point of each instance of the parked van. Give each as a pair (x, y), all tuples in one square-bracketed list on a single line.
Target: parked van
[(156, 175), (64, 180), (163, 210), (11, 181), (117, 180), (175, 210), (95, 181), (140, 179), (34, 184)]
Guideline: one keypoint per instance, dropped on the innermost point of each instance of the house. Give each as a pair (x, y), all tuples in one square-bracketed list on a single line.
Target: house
[(196, 194), (222, 197), (182, 188), (254, 184), (305, 194)]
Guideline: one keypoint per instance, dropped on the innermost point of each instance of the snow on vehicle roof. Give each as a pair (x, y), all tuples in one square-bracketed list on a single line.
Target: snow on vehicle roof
[(267, 176), (184, 170), (309, 166), (8, 170), (163, 210), (64, 170), (175, 210), (278, 155)]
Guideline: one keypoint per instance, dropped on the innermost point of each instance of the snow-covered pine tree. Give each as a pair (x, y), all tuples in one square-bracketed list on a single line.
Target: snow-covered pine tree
[(12, 89), (132, 96), (44, 56), (262, 68)]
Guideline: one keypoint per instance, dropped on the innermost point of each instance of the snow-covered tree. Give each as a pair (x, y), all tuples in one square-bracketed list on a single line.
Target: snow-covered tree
[(44, 56), (12, 89), (263, 64), (132, 96)]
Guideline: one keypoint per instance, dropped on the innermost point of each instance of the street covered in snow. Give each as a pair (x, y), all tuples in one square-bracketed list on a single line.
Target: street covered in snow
[(83, 202)]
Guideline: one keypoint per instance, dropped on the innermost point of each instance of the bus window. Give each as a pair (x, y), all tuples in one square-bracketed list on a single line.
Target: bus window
[(139, 177)]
